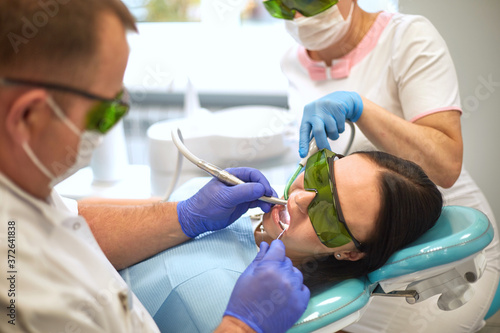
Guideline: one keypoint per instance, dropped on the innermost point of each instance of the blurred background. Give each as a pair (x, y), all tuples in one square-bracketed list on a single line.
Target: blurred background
[(226, 53)]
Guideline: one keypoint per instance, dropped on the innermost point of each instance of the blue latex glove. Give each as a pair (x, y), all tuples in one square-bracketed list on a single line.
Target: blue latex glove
[(326, 117), (270, 295), (217, 205)]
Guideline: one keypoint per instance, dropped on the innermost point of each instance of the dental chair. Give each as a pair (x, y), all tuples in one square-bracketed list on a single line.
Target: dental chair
[(445, 261)]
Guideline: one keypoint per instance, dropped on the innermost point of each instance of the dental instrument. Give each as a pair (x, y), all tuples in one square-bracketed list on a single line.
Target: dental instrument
[(215, 171), (285, 228)]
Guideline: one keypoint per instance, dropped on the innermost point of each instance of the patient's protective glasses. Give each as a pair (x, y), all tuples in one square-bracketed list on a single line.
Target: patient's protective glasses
[(103, 115), (324, 211), (286, 9)]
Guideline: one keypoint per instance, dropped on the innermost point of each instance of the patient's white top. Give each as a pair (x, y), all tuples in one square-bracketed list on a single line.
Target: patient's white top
[(62, 280)]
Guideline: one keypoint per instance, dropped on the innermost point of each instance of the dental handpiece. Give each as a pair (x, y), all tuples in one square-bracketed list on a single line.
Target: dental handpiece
[(221, 174), (229, 179)]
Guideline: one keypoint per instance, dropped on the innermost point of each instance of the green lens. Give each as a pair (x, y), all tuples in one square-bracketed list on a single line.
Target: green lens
[(312, 7), (278, 10), (322, 211), (105, 115), (285, 9)]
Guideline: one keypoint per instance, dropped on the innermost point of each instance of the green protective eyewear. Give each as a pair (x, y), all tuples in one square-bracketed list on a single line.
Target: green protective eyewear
[(104, 114), (324, 210), (286, 9)]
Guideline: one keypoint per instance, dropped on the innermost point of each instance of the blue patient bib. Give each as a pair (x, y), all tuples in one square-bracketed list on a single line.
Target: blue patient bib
[(187, 288)]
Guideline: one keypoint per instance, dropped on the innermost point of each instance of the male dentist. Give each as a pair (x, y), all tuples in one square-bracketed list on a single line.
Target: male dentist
[(61, 70)]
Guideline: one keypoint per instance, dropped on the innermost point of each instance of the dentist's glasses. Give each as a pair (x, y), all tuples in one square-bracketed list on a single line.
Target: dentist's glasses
[(103, 115), (324, 210), (286, 9)]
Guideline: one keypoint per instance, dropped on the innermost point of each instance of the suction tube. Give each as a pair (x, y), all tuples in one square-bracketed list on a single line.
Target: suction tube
[(313, 148)]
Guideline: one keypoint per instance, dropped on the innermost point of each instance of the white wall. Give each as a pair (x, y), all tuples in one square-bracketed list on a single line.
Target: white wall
[(472, 32), (377, 5)]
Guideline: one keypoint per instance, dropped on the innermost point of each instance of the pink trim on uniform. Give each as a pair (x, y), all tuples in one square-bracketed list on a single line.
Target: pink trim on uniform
[(342, 67), (449, 108)]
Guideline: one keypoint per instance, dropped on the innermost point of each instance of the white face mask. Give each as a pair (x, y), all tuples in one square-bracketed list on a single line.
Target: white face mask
[(89, 140), (320, 31)]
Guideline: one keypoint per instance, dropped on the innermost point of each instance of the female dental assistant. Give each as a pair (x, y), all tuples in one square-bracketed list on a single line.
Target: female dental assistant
[(393, 76)]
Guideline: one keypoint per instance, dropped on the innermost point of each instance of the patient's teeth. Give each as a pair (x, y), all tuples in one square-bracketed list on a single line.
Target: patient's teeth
[(283, 225)]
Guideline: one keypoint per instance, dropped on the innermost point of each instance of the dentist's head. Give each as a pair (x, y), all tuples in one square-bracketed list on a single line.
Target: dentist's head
[(327, 25), (61, 71), (324, 29)]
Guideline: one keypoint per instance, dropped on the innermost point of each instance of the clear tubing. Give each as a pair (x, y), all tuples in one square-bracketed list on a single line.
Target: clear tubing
[(291, 180), (313, 148)]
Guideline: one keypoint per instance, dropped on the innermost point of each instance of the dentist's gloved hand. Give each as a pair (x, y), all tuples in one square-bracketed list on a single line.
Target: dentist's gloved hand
[(270, 295), (326, 117), (217, 205)]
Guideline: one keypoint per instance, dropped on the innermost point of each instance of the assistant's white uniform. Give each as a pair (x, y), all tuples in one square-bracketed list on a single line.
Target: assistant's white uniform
[(403, 65), (60, 279)]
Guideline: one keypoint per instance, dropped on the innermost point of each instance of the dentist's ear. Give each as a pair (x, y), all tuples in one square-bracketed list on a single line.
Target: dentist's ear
[(27, 115)]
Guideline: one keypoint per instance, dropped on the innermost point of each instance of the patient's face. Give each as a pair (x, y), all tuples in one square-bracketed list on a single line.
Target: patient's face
[(357, 186)]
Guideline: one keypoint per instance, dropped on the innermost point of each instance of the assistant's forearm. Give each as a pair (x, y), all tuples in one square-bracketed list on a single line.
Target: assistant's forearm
[(131, 231), (434, 142)]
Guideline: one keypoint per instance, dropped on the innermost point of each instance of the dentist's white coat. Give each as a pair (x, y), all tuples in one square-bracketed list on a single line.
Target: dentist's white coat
[(63, 281)]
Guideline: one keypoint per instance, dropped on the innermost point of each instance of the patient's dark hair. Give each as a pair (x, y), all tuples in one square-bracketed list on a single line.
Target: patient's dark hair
[(411, 205)]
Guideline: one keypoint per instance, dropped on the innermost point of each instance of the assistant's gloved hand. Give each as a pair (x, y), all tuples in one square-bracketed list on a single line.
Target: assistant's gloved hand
[(217, 205), (269, 296), (326, 117)]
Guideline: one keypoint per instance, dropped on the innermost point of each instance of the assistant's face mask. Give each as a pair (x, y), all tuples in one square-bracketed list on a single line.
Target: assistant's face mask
[(320, 31), (89, 140)]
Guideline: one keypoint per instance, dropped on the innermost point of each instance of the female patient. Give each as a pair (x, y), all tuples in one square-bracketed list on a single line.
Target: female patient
[(344, 218)]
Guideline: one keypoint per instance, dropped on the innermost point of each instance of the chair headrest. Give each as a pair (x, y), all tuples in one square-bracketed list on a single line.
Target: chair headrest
[(333, 303), (459, 232)]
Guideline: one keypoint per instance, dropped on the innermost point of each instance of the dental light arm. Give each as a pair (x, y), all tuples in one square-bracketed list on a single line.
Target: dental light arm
[(213, 170)]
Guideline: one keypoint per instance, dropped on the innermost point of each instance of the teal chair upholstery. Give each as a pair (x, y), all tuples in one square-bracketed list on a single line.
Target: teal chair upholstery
[(446, 260)]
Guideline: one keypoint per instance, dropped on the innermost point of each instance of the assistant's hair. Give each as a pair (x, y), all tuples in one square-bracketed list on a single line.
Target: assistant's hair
[(411, 205), (54, 37)]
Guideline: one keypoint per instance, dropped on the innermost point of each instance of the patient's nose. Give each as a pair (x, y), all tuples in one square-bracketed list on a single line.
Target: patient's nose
[(303, 199)]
